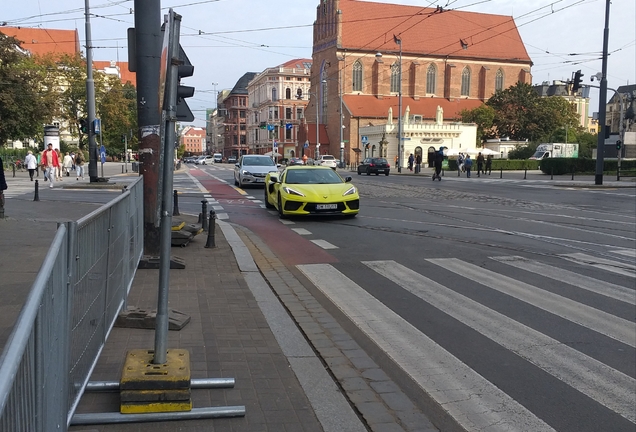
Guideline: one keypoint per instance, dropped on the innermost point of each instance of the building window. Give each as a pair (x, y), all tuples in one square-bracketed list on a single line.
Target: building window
[(324, 93), (274, 94), (395, 78), (499, 80), (356, 79), (287, 93), (299, 113), (288, 113), (288, 134), (242, 113), (243, 141), (465, 82), (431, 77)]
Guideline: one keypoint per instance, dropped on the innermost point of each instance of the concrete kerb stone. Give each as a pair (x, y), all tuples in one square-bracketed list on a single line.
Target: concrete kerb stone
[(322, 325)]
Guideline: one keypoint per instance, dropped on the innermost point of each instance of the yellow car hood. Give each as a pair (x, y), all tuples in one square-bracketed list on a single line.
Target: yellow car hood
[(321, 192)]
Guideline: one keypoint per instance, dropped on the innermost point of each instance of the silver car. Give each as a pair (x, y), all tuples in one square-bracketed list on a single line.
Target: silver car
[(252, 169)]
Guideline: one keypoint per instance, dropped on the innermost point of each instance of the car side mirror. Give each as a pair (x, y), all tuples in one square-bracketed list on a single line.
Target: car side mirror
[(347, 179), (237, 165), (273, 179), (278, 165)]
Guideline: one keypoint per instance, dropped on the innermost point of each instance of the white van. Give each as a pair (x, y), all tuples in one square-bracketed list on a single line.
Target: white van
[(218, 158)]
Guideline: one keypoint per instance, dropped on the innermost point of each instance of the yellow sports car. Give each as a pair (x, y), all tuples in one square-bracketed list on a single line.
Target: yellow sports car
[(311, 190)]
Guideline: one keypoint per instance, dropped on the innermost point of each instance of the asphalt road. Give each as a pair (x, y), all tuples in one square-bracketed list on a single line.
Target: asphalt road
[(508, 303)]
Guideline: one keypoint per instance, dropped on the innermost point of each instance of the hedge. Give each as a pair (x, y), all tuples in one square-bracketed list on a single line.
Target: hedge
[(505, 164), (561, 166)]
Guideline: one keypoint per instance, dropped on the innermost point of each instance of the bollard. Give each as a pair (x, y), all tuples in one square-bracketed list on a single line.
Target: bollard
[(551, 173), (13, 165), (572, 173), (199, 220), (210, 243), (122, 169), (37, 194), (525, 173), (442, 173), (500, 172), (204, 211), (175, 204), (459, 172)]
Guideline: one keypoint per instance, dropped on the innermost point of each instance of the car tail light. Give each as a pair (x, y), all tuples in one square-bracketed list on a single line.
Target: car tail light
[(388, 166), (371, 164)]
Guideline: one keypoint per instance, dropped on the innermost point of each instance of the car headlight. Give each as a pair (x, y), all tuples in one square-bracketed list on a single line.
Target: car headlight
[(245, 172), (291, 191), (350, 191)]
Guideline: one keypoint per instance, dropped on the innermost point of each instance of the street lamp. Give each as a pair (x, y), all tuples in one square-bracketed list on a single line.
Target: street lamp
[(341, 125), (398, 41), (299, 95)]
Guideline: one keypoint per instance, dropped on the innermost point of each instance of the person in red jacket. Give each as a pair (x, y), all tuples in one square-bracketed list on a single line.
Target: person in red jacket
[(50, 163)]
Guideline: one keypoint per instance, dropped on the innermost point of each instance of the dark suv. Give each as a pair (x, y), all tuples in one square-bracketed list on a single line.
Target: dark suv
[(374, 165)]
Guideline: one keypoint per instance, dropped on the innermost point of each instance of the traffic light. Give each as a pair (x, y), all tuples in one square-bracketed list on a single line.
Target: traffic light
[(185, 70), (576, 81), (123, 139), (619, 144), (263, 125), (83, 125)]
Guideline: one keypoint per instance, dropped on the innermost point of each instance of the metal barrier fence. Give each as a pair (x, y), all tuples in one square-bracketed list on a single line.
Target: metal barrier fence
[(78, 292)]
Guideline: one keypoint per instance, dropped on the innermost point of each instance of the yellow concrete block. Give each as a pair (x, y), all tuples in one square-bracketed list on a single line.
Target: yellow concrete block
[(177, 226), (140, 373), (165, 395), (154, 407)]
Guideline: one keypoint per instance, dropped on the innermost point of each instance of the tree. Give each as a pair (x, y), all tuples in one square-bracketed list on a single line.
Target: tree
[(483, 116), (25, 101), (118, 112), (515, 108)]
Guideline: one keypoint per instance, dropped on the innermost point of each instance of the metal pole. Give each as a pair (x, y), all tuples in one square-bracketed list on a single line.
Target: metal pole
[(600, 145), (317, 125), (342, 144), (621, 136), (126, 152), (400, 151), (161, 326), (90, 98)]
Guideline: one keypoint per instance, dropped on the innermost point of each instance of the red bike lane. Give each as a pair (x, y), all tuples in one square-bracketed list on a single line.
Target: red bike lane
[(290, 247)]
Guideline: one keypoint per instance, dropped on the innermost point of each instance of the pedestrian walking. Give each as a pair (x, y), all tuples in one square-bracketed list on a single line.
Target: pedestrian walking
[(50, 164), (468, 164), (73, 157), (58, 170), (31, 163), (418, 163), (410, 161), (460, 162), (488, 164), (480, 164), (67, 164), (439, 159), (79, 165), (3, 187)]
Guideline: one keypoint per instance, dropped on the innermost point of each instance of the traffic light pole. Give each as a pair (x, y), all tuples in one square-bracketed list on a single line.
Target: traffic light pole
[(90, 99), (602, 103)]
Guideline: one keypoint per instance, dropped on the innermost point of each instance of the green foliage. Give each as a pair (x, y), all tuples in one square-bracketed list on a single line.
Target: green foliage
[(118, 113), (483, 116), (505, 164), (522, 152), (562, 166)]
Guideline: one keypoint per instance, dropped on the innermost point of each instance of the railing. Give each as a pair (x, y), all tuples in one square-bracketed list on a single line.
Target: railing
[(78, 292)]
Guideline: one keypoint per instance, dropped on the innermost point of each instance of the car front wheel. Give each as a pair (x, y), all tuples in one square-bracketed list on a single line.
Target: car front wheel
[(281, 213), (236, 183), (267, 203)]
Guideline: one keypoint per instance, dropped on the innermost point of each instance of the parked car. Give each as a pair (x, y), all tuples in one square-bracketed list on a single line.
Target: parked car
[(218, 157), (252, 169), (189, 159), (374, 165), (231, 159), (295, 161), (311, 190), (327, 160)]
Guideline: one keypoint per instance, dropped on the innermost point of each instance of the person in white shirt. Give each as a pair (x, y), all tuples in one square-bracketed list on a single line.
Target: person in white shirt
[(31, 163), (67, 164)]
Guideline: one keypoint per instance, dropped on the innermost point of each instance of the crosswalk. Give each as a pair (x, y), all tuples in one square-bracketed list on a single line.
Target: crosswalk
[(470, 395)]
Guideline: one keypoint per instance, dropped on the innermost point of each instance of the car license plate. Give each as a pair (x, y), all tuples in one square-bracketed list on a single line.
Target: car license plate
[(326, 206), (258, 180)]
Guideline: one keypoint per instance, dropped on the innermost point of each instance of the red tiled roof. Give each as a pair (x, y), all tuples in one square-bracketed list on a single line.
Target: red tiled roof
[(45, 41), (125, 74), (296, 63), (370, 27), (371, 107)]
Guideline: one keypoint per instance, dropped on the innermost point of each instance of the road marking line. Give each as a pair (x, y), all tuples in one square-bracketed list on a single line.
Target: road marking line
[(604, 264), (586, 316), (473, 401), (591, 377), (626, 252), (324, 244), (301, 231), (587, 283)]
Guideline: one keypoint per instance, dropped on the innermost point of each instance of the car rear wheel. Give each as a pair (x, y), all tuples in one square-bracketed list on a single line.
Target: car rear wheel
[(359, 172), (368, 171), (377, 173), (267, 203), (386, 173)]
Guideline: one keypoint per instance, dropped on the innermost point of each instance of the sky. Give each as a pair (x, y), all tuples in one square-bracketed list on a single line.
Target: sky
[(226, 38)]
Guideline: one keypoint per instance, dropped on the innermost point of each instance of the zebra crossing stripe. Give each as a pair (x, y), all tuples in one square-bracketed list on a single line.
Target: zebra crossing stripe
[(473, 401), (618, 267), (596, 380), (597, 286), (626, 252), (600, 321)]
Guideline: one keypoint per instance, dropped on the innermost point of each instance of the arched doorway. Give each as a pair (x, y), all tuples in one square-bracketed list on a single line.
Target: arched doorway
[(292, 153)]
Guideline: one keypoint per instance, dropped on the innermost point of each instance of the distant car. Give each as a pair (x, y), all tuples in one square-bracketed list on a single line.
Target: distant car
[(327, 160), (189, 159), (295, 161), (311, 190), (374, 165), (231, 159), (252, 169), (204, 160), (218, 157)]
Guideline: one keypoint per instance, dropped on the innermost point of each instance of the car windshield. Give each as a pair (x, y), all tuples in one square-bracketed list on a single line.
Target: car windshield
[(379, 161), (312, 176), (258, 161), (327, 158)]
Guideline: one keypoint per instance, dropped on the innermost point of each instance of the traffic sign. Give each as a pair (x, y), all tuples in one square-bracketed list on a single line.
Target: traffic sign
[(364, 138), (102, 154), (275, 144), (306, 145)]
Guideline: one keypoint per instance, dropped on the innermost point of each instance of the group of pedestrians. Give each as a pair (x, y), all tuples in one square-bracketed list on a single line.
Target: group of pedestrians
[(465, 164), (54, 166)]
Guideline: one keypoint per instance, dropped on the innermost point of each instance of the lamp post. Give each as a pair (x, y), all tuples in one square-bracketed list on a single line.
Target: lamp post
[(341, 135), (398, 41), (299, 96)]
